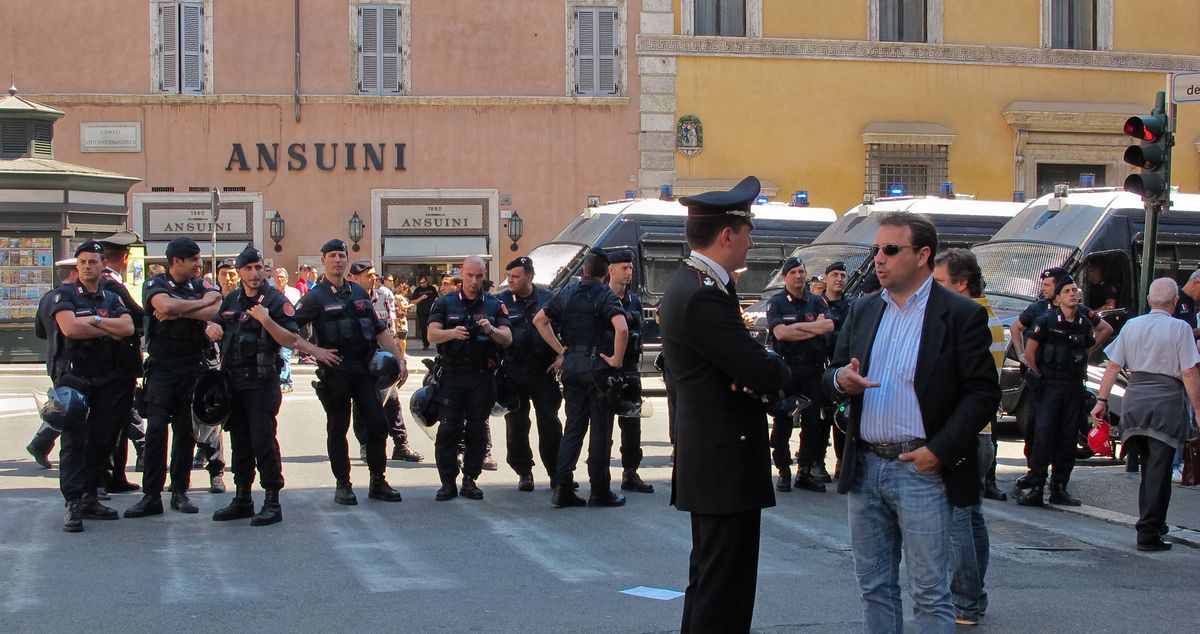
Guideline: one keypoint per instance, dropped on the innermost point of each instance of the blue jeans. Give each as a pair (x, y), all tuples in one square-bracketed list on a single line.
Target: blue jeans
[(969, 545), (894, 509), (285, 375)]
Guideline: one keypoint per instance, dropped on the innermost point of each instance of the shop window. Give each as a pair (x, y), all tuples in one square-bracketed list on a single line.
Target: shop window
[(729, 18), (182, 49), (381, 33), (905, 21), (1077, 24), (907, 170)]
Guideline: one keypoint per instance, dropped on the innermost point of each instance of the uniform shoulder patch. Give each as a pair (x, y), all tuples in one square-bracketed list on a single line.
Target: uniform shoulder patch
[(57, 297), (288, 309), (503, 308)]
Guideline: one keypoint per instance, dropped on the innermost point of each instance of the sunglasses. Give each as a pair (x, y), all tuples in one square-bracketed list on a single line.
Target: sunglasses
[(891, 249)]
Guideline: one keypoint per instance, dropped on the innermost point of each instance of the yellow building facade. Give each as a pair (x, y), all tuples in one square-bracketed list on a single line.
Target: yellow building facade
[(843, 97)]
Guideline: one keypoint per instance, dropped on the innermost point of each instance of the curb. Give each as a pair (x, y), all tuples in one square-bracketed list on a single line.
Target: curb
[(1177, 534)]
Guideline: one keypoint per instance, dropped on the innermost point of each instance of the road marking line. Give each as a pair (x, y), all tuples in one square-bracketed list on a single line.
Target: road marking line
[(382, 559)]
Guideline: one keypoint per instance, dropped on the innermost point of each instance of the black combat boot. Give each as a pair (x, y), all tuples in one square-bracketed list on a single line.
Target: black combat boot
[(785, 481), (564, 495), (344, 494), (405, 453), (992, 492), (806, 481), (605, 498), (381, 490), (92, 509), (73, 522), (631, 481), (241, 507), (470, 490), (1032, 497), (182, 503), (525, 482), (449, 491), (271, 512), (821, 473), (1059, 495), (150, 504)]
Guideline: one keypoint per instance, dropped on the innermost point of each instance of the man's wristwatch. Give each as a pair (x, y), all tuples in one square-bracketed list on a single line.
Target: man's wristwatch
[(96, 319)]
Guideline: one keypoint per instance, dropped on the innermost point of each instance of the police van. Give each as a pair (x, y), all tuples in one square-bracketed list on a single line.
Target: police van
[(960, 222), (1097, 235), (653, 230)]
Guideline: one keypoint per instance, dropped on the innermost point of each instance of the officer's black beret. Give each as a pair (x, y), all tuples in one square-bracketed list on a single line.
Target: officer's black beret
[(1062, 281), (249, 255), (121, 239), (90, 246), (227, 263), (359, 267), (790, 264), (1054, 271), (182, 247), (333, 245), (599, 254), (735, 202), (523, 262), (620, 256), (836, 266)]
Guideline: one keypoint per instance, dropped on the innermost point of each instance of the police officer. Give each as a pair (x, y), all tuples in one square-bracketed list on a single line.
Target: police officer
[(92, 322), (839, 308), (529, 368), (1057, 355), (254, 321), (348, 331), (469, 328), (620, 274), (179, 303), (128, 362), (595, 334), (797, 322)]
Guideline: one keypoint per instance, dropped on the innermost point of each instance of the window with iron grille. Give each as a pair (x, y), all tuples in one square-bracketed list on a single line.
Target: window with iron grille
[(720, 17), (1073, 24), (919, 170), (903, 21)]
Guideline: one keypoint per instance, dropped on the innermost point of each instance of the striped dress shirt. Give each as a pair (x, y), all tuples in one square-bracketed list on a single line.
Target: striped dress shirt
[(891, 412)]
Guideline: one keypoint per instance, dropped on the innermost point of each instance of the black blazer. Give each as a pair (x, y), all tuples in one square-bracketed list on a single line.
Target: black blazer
[(955, 381), (722, 457)]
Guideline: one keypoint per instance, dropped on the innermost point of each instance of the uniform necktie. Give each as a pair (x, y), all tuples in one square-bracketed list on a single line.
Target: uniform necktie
[(731, 288)]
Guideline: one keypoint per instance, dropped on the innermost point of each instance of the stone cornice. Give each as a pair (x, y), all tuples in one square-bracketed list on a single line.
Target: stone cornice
[(174, 100), (860, 50)]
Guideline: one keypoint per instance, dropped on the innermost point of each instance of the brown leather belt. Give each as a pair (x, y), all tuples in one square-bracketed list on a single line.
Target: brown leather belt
[(891, 450)]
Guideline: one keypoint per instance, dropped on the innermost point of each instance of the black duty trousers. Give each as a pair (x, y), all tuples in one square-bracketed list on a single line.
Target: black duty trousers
[(337, 391), (168, 404), (1057, 409), (85, 452), (114, 468), (631, 431), (586, 407), (543, 392), (813, 432), (466, 403), (1155, 494), (722, 573), (393, 413), (252, 435)]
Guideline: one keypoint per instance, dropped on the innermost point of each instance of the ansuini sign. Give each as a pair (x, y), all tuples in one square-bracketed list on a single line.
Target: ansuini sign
[(326, 156)]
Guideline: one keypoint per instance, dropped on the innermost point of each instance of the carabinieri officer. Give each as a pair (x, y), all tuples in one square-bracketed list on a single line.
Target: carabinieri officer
[(92, 322), (348, 330), (255, 321)]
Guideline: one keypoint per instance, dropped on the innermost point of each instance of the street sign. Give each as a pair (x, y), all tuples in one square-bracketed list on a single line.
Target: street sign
[(1185, 87)]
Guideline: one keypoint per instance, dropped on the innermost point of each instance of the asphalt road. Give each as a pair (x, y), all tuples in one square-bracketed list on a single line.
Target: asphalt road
[(511, 562)]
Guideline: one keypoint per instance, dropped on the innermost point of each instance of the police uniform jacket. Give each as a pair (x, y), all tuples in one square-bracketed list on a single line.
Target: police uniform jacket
[(955, 382), (129, 353), (838, 310), (249, 354), (175, 339), (583, 311), (479, 353), (343, 319), (722, 457), (1185, 309), (86, 358), (1042, 306), (631, 304), (529, 356), (1062, 345), (783, 308)]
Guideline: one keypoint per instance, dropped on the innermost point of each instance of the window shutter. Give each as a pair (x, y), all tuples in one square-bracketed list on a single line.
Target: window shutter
[(168, 47), (191, 39), (368, 35), (606, 54), (389, 50), (586, 51)]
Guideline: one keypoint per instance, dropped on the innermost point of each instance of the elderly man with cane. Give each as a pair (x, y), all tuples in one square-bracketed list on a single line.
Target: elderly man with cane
[(1160, 353)]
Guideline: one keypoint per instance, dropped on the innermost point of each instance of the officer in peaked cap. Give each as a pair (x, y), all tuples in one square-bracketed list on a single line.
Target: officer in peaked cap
[(722, 470)]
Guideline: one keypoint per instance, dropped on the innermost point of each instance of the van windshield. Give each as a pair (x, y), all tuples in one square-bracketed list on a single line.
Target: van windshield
[(818, 256), (550, 262), (1015, 268)]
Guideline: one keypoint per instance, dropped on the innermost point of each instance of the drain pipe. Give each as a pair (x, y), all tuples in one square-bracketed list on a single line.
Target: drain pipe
[(296, 10)]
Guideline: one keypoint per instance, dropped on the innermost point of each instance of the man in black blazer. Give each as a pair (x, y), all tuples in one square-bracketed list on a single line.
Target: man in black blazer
[(914, 363), (722, 472)]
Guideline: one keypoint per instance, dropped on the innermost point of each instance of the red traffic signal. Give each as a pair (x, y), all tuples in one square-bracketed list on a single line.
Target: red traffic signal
[(1151, 155), (1149, 129)]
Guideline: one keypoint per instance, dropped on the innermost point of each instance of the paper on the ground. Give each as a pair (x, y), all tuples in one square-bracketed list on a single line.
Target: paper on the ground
[(658, 594)]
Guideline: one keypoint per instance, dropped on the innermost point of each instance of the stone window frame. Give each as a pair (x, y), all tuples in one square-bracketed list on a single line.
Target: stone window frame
[(571, 31), (207, 84), (935, 24), (754, 18), (1104, 25), (923, 144), (405, 46)]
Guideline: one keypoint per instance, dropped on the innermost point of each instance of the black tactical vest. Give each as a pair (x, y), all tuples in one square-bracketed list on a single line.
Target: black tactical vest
[(479, 352), (248, 352), (345, 324), (1062, 356), (177, 339)]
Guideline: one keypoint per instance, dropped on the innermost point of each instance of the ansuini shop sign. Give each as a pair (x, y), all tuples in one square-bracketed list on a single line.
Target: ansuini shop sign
[(166, 221), (327, 157)]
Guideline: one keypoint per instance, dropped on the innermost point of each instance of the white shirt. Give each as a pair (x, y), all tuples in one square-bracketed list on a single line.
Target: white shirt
[(292, 294), (717, 268), (891, 412), (1156, 343)]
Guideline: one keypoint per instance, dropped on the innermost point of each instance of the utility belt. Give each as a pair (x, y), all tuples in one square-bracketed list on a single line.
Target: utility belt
[(251, 374), (581, 348), (165, 346), (891, 450)]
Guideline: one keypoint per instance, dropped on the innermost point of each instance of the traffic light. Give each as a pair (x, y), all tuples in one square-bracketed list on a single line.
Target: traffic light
[(1152, 154)]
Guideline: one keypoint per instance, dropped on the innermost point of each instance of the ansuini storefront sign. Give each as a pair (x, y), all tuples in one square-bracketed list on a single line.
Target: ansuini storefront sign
[(327, 157)]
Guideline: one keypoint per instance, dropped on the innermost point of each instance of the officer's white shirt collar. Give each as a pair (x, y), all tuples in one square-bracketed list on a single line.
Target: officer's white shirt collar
[(717, 268)]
